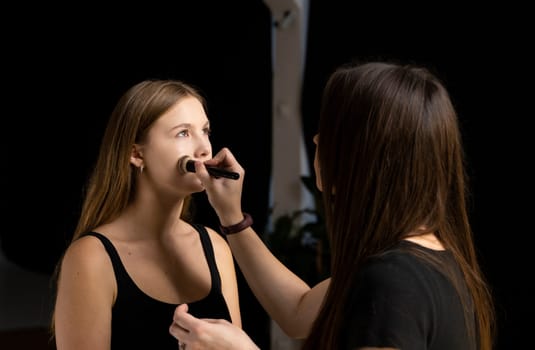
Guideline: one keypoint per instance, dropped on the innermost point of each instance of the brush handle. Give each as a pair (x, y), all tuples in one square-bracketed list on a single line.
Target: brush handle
[(213, 171)]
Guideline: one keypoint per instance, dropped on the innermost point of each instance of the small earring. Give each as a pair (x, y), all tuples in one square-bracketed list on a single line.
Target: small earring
[(141, 169)]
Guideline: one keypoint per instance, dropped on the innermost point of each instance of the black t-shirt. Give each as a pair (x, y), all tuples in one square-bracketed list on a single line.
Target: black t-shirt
[(141, 322), (401, 301)]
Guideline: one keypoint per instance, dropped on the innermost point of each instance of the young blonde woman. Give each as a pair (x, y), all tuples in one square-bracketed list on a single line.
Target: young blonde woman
[(136, 254)]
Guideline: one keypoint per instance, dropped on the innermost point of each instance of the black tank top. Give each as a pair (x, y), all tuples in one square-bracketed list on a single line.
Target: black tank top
[(141, 322)]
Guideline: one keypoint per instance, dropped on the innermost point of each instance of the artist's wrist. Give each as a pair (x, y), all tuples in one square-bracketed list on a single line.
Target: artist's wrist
[(236, 226), (229, 217)]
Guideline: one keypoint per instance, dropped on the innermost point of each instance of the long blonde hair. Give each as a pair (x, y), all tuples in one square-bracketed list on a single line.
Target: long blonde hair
[(111, 185)]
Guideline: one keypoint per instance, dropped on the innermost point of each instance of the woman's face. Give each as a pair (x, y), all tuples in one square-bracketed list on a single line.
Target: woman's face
[(184, 130), (316, 163)]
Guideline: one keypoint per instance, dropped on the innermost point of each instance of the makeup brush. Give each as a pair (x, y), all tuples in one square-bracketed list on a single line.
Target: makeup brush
[(185, 164)]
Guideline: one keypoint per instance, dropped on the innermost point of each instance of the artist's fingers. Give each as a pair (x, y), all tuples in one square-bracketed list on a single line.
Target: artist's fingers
[(202, 172), (225, 159), (182, 322)]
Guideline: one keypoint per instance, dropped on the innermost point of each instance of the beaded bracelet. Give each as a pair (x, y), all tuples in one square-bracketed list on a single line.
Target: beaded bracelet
[(240, 226)]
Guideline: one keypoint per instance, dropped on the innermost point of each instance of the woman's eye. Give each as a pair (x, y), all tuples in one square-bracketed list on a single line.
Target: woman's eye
[(208, 131), (183, 133)]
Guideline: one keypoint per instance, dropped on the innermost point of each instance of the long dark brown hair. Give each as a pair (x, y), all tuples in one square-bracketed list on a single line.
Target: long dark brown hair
[(391, 161)]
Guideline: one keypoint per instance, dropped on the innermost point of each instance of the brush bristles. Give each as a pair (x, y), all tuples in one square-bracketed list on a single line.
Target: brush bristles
[(184, 165)]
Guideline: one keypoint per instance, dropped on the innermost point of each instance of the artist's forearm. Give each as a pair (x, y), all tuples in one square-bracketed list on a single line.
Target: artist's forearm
[(286, 298)]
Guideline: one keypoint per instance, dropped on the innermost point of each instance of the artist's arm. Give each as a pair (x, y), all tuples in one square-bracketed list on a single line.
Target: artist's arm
[(86, 287), (285, 297)]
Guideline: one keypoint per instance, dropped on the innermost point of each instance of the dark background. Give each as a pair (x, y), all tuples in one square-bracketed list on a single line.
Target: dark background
[(67, 67)]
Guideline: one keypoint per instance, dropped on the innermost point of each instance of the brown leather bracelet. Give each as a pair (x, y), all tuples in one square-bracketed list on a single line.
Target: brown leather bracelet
[(240, 226)]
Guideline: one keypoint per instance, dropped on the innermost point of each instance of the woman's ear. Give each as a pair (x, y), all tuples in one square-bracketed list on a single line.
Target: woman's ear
[(136, 158)]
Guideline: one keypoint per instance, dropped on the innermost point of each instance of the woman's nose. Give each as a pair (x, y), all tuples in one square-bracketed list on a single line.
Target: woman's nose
[(203, 148)]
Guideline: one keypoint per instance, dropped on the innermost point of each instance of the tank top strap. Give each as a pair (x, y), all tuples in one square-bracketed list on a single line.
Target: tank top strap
[(210, 256), (118, 267)]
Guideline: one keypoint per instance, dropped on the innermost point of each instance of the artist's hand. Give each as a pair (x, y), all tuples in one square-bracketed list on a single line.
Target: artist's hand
[(196, 334), (223, 194)]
